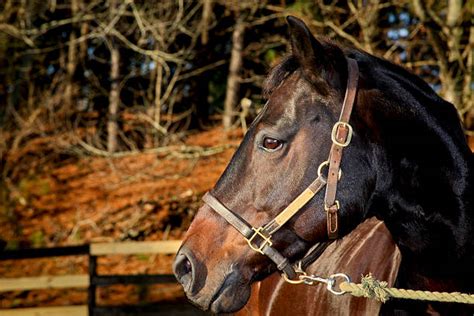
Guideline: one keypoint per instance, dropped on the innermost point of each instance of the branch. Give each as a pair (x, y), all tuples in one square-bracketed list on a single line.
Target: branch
[(15, 32), (155, 125), (343, 34), (156, 55), (181, 151), (435, 39), (46, 27), (202, 69)]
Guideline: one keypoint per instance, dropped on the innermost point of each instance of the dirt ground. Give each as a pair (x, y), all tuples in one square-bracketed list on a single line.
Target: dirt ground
[(150, 196)]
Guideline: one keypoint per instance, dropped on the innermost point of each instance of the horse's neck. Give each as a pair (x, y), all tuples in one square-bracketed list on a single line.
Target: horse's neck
[(426, 201)]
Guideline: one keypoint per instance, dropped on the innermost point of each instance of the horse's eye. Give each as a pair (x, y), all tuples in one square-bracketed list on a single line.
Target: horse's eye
[(272, 144)]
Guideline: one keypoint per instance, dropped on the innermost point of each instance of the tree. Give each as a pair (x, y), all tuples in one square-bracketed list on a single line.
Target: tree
[(114, 94), (452, 44), (125, 75), (233, 79)]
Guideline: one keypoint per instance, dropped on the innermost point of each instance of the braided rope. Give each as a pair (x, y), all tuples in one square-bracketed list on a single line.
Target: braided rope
[(374, 289)]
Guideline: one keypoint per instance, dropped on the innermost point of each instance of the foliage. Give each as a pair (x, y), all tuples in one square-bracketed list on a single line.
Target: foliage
[(37, 239), (74, 72)]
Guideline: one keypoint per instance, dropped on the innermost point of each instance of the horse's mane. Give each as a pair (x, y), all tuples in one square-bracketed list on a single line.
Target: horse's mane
[(390, 78)]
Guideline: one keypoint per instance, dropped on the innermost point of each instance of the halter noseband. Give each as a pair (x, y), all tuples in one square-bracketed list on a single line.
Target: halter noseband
[(259, 239)]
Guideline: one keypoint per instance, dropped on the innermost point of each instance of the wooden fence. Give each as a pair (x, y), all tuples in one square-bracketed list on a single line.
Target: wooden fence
[(92, 280)]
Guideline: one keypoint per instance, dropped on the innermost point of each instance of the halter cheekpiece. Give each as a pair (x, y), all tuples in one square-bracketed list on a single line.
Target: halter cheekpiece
[(259, 239)]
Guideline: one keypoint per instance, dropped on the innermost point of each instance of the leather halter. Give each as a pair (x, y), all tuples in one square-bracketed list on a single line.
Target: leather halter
[(259, 239)]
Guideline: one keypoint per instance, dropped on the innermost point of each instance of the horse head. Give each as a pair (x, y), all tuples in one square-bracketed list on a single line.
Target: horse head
[(280, 155)]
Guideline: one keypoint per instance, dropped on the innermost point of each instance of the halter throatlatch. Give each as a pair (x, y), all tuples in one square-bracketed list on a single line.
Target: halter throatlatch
[(259, 239)]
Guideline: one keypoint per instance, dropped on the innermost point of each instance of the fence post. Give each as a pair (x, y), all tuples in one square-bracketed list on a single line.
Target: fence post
[(92, 286)]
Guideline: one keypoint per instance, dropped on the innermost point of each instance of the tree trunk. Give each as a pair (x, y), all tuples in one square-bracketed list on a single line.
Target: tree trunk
[(71, 60), (450, 82), (114, 99), (206, 14), (157, 103), (114, 94), (83, 44), (367, 14), (233, 83), (453, 23), (468, 94)]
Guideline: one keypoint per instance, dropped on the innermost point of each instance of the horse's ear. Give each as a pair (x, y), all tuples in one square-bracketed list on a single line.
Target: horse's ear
[(318, 61), (304, 45)]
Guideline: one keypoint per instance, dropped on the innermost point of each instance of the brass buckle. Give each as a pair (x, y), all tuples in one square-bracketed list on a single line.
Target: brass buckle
[(266, 240), (334, 134)]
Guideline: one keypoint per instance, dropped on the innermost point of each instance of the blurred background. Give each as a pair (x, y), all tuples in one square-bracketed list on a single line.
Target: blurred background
[(116, 116)]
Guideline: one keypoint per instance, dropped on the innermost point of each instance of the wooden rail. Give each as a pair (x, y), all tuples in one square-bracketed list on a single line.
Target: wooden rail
[(78, 310), (44, 282), (133, 247), (91, 280), (44, 252)]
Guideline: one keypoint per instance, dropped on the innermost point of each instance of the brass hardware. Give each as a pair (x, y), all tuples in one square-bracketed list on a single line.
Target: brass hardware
[(324, 164), (266, 240), (313, 279), (348, 137), (300, 279), (330, 282)]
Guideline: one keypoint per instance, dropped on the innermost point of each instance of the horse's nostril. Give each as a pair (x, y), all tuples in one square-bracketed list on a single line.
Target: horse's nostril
[(183, 269), (187, 267)]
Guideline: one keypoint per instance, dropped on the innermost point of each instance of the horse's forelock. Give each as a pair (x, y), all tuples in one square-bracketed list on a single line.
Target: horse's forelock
[(279, 73), (290, 64)]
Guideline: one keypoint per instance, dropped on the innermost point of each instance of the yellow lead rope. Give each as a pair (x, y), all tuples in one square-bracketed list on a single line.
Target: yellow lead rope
[(374, 289)]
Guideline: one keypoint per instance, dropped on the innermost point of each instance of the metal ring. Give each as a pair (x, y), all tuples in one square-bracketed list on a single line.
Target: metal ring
[(324, 164), (321, 166), (332, 283), (299, 281)]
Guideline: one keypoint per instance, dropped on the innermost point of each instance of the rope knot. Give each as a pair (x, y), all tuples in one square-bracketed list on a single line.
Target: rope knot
[(372, 288)]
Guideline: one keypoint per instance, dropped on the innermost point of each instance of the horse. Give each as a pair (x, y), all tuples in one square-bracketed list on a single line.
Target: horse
[(396, 152)]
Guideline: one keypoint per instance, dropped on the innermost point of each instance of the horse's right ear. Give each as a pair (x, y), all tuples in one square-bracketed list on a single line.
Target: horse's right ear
[(321, 63), (305, 47)]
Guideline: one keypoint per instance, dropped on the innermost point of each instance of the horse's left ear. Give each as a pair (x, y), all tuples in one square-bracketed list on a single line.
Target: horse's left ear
[(318, 61)]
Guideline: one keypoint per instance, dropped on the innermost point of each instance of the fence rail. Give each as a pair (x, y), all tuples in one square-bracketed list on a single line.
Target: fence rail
[(44, 252), (44, 282), (92, 280), (77, 310), (133, 247)]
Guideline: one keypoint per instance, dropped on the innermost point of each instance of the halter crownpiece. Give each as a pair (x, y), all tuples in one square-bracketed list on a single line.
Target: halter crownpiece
[(341, 137), (259, 239)]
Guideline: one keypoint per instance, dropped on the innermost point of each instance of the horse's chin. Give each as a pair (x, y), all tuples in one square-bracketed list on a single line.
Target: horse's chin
[(230, 297)]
